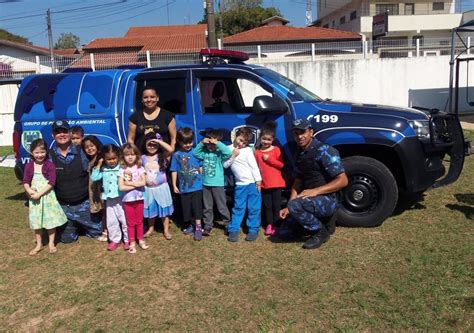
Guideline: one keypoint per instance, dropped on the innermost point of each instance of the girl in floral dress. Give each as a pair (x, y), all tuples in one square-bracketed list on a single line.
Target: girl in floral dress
[(38, 181)]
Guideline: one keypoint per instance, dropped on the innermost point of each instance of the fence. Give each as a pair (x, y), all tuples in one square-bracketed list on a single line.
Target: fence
[(17, 68)]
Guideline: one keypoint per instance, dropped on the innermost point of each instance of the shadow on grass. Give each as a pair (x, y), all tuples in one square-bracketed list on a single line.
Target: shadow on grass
[(409, 202), (467, 198), (18, 197), (467, 210)]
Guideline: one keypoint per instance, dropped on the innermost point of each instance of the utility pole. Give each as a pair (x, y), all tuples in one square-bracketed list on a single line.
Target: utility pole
[(50, 40), (211, 25), (309, 14), (221, 32)]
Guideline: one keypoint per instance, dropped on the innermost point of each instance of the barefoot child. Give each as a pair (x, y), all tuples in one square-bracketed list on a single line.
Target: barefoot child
[(158, 201), (247, 187), (270, 163), (132, 182), (38, 181), (107, 169)]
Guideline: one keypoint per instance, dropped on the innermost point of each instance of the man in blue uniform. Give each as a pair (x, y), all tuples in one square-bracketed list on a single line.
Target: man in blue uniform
[(319, 176), (72, 185)]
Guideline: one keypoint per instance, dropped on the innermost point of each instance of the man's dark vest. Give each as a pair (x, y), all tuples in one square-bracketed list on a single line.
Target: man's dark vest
[(312, 172), (72, 181)]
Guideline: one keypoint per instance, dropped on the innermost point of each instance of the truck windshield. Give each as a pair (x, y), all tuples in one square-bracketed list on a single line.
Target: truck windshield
[(295, 91)]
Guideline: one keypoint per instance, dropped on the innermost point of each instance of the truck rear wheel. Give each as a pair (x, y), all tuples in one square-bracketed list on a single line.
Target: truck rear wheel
[(371, 195)]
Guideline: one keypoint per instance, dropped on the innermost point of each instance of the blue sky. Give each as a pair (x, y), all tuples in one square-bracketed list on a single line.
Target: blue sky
[(115, 17), (112, 18)]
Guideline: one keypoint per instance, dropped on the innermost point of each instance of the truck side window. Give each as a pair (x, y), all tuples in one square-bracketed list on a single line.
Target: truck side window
[(228, 94), (249, 90), (172, 92)]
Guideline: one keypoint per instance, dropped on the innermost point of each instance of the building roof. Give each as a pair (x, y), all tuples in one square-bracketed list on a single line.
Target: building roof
[(285, 34), (26, 47), (275, 18), (166, 44), (167, 30), (67, 52)]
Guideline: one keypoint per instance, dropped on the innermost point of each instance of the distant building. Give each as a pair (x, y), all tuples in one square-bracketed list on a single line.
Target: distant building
[(410, 19), (177, 41), (276, 38)]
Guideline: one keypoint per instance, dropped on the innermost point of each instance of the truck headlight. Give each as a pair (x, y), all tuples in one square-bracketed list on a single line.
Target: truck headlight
[(421, 127)]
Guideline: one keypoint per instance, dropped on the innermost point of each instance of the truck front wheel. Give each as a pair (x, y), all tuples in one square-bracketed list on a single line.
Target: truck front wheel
[(371, 195)]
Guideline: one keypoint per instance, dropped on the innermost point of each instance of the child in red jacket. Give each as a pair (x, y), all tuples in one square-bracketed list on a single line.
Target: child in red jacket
[(270, 163)]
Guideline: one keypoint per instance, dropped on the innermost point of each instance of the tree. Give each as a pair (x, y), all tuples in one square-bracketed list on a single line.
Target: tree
[(242, 15), (4, 34), (67, 41)]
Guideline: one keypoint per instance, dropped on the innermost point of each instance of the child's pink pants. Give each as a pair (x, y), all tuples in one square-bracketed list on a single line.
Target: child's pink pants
[(134, 214)]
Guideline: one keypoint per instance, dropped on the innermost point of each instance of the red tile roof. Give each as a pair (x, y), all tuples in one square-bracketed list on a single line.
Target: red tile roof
[(166, 44), (110, 60), (167, 30), (67, 52), (285, 34)]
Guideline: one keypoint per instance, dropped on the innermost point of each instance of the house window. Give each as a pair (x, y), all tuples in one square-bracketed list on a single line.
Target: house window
[(409, 9), (333, 24), (353, 15), (342, 20), (438, 5), (415, 38), (392, 9)]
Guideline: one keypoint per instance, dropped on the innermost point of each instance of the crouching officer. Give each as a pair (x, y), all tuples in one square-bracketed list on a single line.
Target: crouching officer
[(72, 185), (319, 176)]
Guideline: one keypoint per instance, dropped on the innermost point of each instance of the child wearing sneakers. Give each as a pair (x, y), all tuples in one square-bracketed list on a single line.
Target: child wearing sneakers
[(108, 169), (186, 176), (247, 187), (213, 153)]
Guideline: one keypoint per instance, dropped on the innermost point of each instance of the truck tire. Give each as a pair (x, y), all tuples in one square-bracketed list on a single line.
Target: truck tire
[(371, 195)]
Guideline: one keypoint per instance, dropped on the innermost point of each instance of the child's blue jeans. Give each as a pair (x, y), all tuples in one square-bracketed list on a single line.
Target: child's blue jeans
[(246, 197)]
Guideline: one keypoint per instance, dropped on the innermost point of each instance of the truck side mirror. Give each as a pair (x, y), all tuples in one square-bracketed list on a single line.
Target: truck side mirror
[(269, 104)]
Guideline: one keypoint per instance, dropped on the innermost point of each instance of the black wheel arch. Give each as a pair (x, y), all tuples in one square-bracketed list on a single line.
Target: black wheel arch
[(382, 153)]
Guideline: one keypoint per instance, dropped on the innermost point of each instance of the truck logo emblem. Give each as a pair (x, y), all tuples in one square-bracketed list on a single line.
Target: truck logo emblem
[(28, 137)]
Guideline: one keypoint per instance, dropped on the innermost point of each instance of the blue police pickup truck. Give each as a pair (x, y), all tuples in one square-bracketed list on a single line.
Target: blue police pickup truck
[(386, 150)]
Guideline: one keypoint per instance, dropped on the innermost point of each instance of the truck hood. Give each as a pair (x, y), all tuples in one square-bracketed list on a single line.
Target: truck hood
[(406, 113)]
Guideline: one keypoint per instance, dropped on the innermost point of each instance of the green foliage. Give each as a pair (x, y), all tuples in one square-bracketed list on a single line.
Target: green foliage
[(241, 15), (4, 34), (67, 41)]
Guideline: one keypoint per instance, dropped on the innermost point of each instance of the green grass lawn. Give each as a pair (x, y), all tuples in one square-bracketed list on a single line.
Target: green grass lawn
[(6, 150), (412, 273)]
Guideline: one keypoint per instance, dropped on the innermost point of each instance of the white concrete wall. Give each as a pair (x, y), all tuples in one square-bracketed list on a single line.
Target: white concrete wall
[(401, 82), (8, 95)]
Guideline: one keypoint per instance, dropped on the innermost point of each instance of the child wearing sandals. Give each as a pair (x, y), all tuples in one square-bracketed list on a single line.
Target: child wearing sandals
[(92, 146), (158, 201), (38, 181), (270, 163), (107, 169), (131, 183)]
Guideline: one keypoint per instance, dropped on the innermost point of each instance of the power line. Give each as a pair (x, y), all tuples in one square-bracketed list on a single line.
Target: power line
[(99, 14), (64, 11), (122, 19)]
